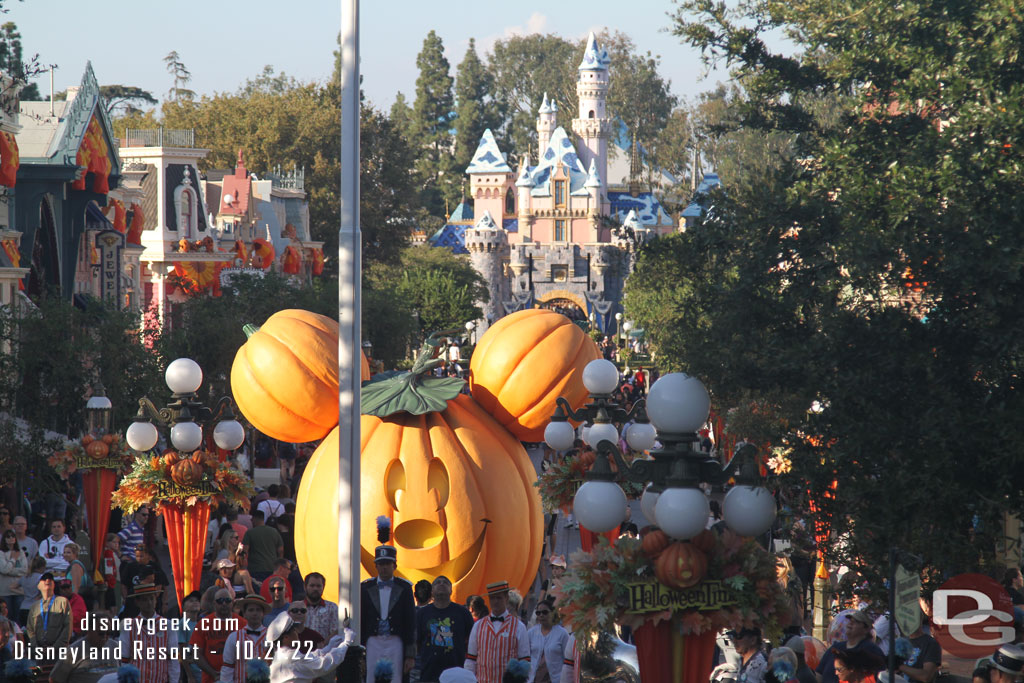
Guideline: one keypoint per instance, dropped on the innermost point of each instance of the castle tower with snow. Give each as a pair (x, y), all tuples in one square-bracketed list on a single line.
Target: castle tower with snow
[(592, 124)]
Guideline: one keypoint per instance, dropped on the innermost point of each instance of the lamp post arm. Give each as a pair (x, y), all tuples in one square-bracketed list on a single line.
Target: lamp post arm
[(580, 416), (224, 410), (163, 416), (743, 465), (639, 470)]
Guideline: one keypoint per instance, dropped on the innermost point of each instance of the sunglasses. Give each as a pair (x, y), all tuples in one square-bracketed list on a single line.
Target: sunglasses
[(277, 588), (223, 601), (298, 610), (542, 612)]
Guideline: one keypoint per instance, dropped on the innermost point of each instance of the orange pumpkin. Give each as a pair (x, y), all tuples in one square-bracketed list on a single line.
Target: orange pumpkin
[(523, 363), (285, 377), (97, 450), (108, 439), (705, 541), (457, 487), (87, 439), (186, 472), (171, 459), (653, 542), (681, 565)]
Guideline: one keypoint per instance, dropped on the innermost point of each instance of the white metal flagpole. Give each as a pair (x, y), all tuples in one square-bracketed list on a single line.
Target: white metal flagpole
[(349, 306)]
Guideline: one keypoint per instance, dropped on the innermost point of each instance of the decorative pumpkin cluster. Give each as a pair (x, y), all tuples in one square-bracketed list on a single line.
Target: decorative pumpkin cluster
[(92, 449), (594, 594), (173, 477)]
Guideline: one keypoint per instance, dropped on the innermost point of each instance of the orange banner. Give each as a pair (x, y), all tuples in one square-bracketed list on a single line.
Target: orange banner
[(135, 229), (10, 159), (186, 540)]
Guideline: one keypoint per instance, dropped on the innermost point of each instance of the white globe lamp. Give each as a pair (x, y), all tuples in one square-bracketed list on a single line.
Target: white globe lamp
[(749, 510), (559, 435), (599, 506), (602, 431), (641, 436), (600, 376), (682, 512), (186, 436), (141, 436), (678, 404), (647, 502), (228, 434), (183, 376)]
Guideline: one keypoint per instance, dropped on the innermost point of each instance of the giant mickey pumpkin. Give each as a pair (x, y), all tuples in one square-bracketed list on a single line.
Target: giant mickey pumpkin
[(523, 363), (285, 377), (457, 486)]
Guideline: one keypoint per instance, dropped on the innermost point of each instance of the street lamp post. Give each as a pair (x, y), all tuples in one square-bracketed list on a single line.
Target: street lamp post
[(185, 416), (470, 327), (677, 406)]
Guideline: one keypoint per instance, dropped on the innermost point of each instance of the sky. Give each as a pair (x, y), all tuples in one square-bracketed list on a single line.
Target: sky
[(224, 43)]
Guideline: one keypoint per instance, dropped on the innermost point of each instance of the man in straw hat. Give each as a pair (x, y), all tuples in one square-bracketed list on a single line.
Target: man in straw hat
[(496, 639), (1007, 664), (147, 640), (387, 610), (248, 641)]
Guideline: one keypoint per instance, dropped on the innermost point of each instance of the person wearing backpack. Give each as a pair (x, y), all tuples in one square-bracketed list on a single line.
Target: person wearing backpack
[(75, 573), (272, 508)]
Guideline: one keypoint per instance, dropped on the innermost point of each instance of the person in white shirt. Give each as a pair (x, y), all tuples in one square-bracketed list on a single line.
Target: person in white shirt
[(292, 663), (28, 544), (52, 548), (547, 645), (271, 507)]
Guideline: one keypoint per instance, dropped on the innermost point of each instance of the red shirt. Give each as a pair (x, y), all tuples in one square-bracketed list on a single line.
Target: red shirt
[(78, 612), (265, 588), (211, 642)]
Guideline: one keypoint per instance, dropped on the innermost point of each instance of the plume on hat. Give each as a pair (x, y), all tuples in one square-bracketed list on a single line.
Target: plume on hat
[(128, 673), (383, 528), (516, 672), (257, 671), (19, 670)]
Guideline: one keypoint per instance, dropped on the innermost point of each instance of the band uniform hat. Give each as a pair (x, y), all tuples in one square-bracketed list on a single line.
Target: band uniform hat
[(457, 675), (281, 624), (497, 587), (1009, 659), (144, 589), (386, 553), (254, 599)]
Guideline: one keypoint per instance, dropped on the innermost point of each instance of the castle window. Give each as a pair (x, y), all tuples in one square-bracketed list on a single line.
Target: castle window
[(559, 273), (560, 231), (591, 114), (510, 202), (559, 194)]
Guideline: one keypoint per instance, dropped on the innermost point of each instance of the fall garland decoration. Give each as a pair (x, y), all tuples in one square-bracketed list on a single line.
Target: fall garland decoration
[(559, 483), (596, 593), (108, 451), (187, 480)]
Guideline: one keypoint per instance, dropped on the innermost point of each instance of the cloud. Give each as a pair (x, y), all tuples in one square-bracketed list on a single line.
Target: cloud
[(536, 23)]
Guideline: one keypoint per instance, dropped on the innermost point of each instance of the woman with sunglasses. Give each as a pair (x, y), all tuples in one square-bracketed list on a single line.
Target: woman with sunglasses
[(547, 643), (13, 566)]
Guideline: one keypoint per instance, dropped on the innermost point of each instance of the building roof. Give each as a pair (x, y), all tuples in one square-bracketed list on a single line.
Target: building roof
[(452, 236), (488, 158), (462, 212), (696, 207), (486, 222), (239, 186), (38, 128), (545, 108), (559, 150), (645, 204), (593, 179), (594, 58), (510, 224)]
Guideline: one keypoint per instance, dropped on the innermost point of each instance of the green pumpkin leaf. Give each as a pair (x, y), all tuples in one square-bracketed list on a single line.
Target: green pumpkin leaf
[(409, 393)]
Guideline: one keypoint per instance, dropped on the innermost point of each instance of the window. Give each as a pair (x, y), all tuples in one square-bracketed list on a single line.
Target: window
[(510, 202), (559, 273), (185, 217), (591, 114), (560, 231), (560, 194)]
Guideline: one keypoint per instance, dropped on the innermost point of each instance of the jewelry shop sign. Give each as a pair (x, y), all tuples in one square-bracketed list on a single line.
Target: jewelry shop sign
[(653, 596), (110, 243)]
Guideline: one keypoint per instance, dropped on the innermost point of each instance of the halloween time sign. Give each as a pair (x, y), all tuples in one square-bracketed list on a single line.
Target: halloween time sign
[(653, 596)]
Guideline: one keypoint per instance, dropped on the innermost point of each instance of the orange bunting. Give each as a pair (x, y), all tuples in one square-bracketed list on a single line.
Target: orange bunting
[(202, 274), (290, 261), (262, 253), (120, 216), (240, 251), (94, 155), (318, 262), (135, 229), (10, 159)]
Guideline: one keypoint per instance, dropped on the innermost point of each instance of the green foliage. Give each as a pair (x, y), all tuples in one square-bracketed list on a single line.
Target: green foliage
[(872, 267), (182, 77), (475, 112), (432, 120), (128, 97), (13, 63)]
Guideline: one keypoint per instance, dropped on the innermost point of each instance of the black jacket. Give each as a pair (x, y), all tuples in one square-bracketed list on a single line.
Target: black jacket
[(401, 612)]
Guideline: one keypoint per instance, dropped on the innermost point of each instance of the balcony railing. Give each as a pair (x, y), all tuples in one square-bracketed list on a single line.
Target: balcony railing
[(159, 137)]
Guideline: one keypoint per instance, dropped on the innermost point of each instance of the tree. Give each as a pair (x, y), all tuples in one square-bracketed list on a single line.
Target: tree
[(400, 115), (13, 63), (127, 97), (182, 77), (432, 116), (637, 94), (474, 111), (862, 275)]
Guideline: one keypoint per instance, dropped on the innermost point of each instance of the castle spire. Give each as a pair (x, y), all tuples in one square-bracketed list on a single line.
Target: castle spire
[(635, 168)]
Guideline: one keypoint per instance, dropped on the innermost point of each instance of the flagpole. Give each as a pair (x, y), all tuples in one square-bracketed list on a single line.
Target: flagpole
[(349, 333)]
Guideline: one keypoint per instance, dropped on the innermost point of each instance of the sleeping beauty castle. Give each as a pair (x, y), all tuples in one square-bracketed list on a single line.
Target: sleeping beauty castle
[(560, 234)]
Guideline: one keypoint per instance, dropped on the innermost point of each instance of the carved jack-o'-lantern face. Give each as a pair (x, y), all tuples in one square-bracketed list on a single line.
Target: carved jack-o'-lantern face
[(457, 486)]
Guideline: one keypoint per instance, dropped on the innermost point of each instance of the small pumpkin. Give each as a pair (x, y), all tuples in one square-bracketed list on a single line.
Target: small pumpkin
[(285, 377), (108, 439), (523, 363), (171, 458), (87, 439), (97, 450), (187, 472), (456, 485), (705, 541), (681, 565), (653, 542)]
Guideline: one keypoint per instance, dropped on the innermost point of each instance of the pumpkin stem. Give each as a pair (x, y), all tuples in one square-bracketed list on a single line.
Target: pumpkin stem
[(416, 391), (250, 329)]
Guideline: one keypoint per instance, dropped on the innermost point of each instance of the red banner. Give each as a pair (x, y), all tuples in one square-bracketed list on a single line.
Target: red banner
[(10, 159), (98, 484), (135, 228)]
